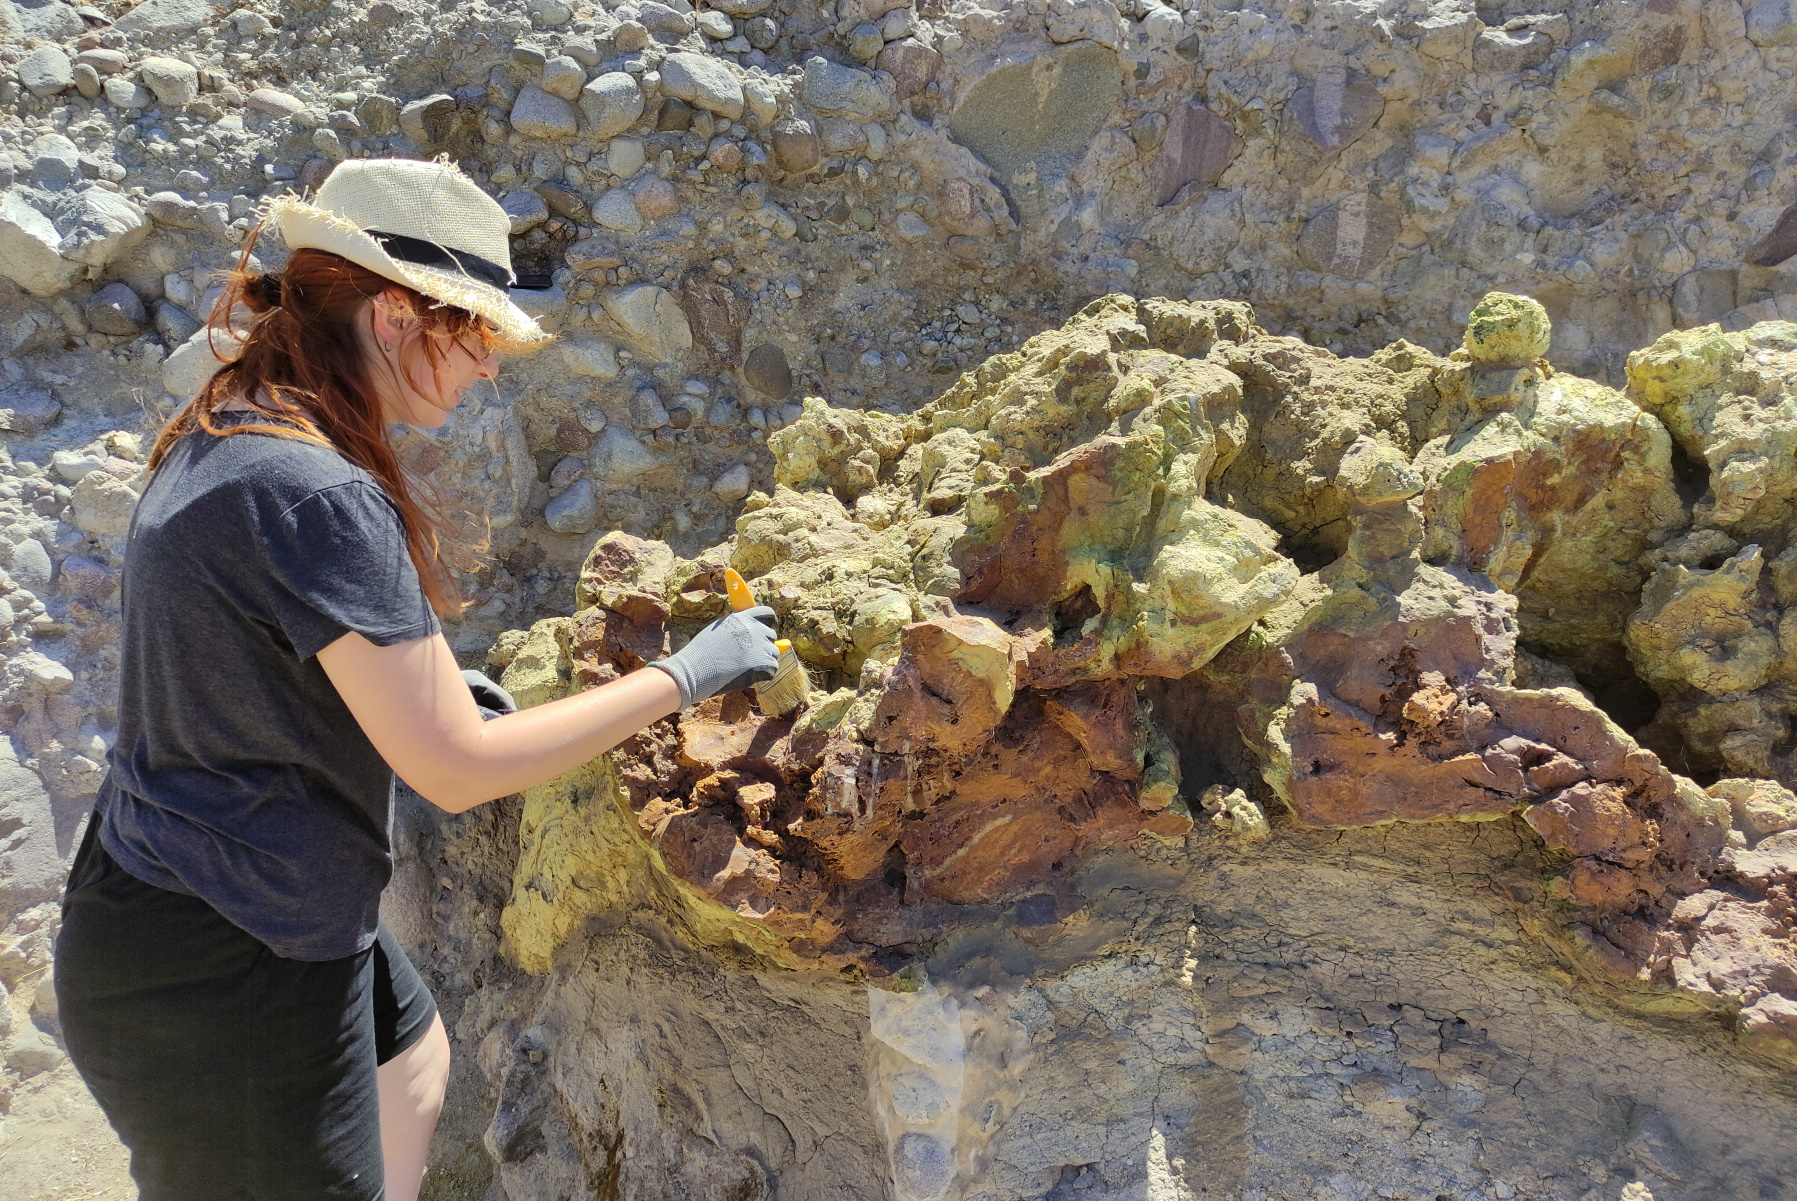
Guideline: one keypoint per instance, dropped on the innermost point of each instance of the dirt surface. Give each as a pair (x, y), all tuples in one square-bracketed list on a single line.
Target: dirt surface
[(55, 1144)]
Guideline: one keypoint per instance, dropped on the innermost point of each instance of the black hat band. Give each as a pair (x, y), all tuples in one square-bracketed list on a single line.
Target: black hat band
[(424, 253)]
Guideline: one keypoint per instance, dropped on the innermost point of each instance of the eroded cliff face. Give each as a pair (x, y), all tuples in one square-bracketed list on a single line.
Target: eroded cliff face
[(1077, 629)]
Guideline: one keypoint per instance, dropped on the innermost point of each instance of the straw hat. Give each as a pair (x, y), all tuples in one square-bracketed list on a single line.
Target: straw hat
[(422, 224)]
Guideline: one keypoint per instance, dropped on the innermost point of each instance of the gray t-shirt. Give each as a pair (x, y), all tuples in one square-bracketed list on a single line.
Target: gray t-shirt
[(239, 775)]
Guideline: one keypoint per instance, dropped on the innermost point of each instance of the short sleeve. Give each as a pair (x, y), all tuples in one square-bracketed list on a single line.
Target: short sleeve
[(336, 562)]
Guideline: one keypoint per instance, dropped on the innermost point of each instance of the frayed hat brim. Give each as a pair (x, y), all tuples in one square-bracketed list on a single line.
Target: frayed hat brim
[(304, 225)]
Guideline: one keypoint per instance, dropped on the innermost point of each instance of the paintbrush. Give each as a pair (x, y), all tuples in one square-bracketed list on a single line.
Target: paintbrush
[(790, 685)]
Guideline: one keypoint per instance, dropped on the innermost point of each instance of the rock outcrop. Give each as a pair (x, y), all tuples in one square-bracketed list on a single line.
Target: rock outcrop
[(1192, 574), (985, 590)]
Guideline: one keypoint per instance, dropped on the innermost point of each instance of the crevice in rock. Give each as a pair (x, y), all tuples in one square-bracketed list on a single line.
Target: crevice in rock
[(1690, 474)]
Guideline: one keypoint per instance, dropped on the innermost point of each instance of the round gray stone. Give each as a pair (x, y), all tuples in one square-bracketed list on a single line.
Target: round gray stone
[(31, 567), (611, 104), (703, 83), (575, 511), (46, 71), (117, 310), (174, 82), (537, 114)]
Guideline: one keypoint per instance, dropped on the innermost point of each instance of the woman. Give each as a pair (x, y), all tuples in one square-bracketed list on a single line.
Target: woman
[(226, 988)]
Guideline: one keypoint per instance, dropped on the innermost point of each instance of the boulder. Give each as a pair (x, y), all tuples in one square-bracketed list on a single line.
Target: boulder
[(103, 505), (618, 458), (767, 371), (1772, 23), (98, 226), (123, 93), (46, 71), (732, 484), (702, 82), (1197, 148), (912, 65), (588, 357), (194, 361), (274, 102), (116, 310), (429, 120), (30, 248), (564, 76), (537, 114), (1504, 52), (617, 211), (174, 82), (167, 16), (575, 511), (832, 89), (1039, 114), (27, 409), (1507, 331), (716, 316), (796, 147), (525, 209), (650, 319), (611, 104), (39, 20)]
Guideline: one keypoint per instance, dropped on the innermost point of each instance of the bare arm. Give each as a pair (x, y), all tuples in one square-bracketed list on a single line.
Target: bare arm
[(412, 703)]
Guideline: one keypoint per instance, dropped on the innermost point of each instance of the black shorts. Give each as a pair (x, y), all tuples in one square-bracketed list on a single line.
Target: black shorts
[(228, 1072)]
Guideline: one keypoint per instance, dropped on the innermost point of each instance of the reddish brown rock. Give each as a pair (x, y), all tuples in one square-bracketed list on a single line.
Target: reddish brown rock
[(796, 148), (1103, 719), (953, 683), (1349, 239), (1024, 562), (1660, 47), (315, 171), (911, 64), (1593, 820), (656, 198), (717, 316), (1327, 114), (628, 574), (1333, 111), (606, 638), (1198, 148), (572, 437)]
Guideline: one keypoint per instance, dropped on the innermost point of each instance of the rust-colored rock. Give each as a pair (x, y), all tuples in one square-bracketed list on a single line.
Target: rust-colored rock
[(952, 685)]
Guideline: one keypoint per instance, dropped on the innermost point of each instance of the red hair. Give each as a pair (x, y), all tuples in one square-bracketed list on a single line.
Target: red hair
[(301, 367)]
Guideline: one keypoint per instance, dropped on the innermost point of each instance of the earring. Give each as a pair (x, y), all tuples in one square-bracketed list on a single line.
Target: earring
[(388, 346)]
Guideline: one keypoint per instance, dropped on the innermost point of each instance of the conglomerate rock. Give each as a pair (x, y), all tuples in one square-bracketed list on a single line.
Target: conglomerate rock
[(983, 591), (1715, 631)]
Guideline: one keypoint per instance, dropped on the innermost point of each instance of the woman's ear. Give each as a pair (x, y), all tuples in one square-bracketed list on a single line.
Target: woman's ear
[(389, 324)]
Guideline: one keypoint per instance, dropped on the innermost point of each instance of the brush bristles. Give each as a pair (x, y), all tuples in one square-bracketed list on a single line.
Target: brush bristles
[(788, 688)]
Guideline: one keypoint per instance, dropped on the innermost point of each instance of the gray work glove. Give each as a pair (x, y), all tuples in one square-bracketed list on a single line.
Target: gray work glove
[(732, 652), (492, 700)]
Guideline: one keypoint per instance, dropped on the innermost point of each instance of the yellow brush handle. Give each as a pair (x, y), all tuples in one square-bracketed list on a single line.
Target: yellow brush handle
[(740, 596), (782, 645)]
